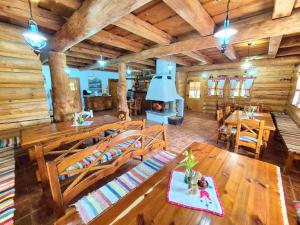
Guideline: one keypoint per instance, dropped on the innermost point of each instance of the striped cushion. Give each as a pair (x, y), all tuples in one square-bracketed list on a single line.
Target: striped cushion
[(95, 203), (110, 155), (7, 186), (223, 129), (249, 139), (13, 142)]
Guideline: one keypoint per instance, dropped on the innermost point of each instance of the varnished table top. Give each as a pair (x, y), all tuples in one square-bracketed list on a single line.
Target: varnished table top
[(249, 192), (233, 118), (32, 135)]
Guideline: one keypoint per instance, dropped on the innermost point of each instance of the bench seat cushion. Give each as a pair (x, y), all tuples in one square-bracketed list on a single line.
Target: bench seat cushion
[(109, 156)]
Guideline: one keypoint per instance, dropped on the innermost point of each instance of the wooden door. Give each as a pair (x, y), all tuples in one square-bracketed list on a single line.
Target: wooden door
[(193, 94), (74, 95), (113, 91)]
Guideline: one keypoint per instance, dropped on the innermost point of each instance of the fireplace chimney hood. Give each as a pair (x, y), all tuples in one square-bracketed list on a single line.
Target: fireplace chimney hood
[(162, 88)]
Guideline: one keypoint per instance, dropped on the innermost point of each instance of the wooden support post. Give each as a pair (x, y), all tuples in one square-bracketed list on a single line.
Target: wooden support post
[(122, 91), (59, 79)]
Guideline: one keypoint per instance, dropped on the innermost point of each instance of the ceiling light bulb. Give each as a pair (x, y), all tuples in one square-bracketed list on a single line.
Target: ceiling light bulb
[(246, 65), (33, 37)]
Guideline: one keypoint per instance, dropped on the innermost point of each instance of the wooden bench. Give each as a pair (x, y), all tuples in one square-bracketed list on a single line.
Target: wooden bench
[(149, 139), (290, 133), (60, 148)]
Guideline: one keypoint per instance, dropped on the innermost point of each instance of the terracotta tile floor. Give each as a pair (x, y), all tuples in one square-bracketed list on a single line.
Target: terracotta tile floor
[(30, 203)]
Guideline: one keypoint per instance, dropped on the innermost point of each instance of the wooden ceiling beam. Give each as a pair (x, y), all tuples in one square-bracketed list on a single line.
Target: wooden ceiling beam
[(91, 52), (297, 4), (73, 59), (108, 38), (274, 45), (176, 60), (193, 12), (230, 53), (146, 62), (258, 27), (104, 51), (81, 55), (283, 8), (89, 19), (143, 29), (290, 42), (289, 51), (18, 10), (259, 62), (199, 57)]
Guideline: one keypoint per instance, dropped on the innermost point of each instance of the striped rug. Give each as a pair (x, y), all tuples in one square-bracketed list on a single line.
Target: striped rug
[(97, 202), (7, 185)]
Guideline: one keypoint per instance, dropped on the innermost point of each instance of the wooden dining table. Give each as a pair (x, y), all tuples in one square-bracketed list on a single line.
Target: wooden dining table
[(250, 192), (36, 134), (232, 121)]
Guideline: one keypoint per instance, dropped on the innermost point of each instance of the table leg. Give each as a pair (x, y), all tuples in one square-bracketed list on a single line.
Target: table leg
[(31, 153)]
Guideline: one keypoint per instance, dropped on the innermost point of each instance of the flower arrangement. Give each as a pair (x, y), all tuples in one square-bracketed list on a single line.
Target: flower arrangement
[(188, 162)]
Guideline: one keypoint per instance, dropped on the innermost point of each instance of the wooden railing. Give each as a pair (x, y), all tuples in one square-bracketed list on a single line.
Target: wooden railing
[(65, 146), (142, 142)]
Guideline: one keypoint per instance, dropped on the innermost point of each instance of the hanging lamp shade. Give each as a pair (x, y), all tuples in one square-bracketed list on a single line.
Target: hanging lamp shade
[(101, 62), (128, 71), (247, 63), (224, 35), (32, 35)]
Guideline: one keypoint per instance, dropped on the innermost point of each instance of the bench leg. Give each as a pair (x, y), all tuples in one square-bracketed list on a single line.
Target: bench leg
[(289, 162)]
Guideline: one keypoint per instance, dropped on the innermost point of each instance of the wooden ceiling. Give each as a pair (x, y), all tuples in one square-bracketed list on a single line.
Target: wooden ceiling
[(134, 27)]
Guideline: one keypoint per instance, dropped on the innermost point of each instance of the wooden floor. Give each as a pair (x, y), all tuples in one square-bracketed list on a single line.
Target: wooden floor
[(31, 208)]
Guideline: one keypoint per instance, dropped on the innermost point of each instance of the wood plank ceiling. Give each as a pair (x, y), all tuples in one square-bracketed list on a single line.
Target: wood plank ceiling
[(137, 26)]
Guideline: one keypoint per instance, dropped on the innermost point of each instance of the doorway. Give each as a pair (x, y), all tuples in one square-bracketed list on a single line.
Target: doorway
[(193, 94)]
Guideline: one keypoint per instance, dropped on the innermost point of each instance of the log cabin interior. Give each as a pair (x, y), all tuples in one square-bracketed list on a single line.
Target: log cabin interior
[(139, 112)]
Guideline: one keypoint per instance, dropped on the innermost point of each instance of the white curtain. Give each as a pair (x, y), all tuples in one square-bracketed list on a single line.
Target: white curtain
[(248, 82), (220, 87), (234, 82), (211, 86)]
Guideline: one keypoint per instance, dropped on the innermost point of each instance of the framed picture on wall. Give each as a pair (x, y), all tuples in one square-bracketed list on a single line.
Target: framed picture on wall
[(95, 85)]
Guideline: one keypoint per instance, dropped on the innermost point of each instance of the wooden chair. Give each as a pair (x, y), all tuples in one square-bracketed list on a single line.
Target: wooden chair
[(60, 148), (250, 134), (223, 129), (135, 107), (150, 138), (227, 111)]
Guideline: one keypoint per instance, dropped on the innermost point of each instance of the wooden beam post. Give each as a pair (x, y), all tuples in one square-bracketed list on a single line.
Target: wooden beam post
[(274, 45), (89, 19), (59, 79), (122, 91)]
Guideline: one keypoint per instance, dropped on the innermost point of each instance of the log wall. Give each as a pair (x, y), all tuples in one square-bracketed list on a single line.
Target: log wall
[(181, 83), (292, 110), (22, 94), (271, 87)]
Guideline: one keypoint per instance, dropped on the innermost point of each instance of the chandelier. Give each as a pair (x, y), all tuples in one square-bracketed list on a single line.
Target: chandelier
[(32, 35), (224, 35)]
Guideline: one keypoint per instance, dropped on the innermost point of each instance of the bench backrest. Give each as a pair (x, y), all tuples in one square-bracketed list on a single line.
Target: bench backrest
[(142, 142)]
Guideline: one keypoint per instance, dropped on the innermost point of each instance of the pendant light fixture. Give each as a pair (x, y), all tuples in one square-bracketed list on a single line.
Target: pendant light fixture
[(32, 35), (101, 62), (128, 71), (226, 33), (247, 63)]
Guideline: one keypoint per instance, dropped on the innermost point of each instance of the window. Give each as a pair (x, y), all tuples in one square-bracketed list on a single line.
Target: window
[(235, 86), (194, 91), (246, 86), (211, 87), (95, 85), (296, 99)]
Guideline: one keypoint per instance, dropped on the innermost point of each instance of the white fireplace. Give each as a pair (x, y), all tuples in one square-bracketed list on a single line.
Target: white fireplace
[(165, 101)]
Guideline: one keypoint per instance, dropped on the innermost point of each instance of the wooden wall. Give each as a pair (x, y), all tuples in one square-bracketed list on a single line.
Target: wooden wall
[(22, 95), (271, 87), (181, 83), (292, 110)]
